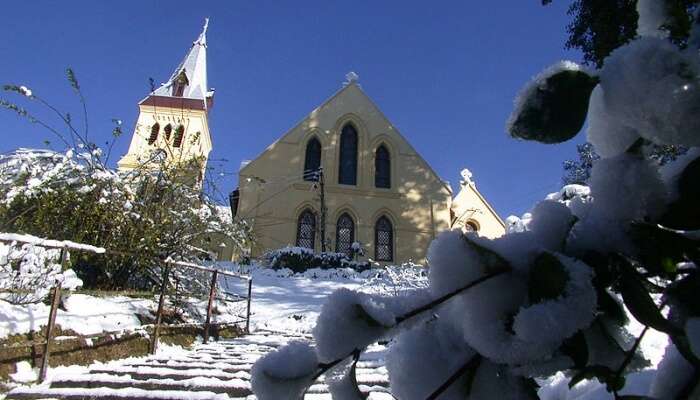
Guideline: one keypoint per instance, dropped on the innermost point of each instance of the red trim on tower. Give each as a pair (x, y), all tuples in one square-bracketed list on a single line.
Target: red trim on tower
[(174, 102)]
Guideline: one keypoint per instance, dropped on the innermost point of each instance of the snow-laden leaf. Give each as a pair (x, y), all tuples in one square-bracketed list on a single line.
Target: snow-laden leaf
[(552, 108), (342, 381), (548, 278), (284, 374), (640, 303), (576, 348)]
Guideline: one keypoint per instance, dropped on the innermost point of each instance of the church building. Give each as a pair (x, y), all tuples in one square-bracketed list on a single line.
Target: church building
[(345, 176), (344, 179)]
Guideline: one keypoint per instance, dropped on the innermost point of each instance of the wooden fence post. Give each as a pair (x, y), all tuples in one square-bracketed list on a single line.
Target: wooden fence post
[(52, 321), (247, 318), (212, 295), (159, 313)]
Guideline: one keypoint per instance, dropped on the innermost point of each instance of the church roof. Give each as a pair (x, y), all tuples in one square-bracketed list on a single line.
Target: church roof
[(194, 69)]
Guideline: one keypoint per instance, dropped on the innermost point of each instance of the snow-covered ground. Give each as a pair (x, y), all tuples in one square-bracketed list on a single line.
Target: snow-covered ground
[(83, 314), (290, 303), (281, 302)]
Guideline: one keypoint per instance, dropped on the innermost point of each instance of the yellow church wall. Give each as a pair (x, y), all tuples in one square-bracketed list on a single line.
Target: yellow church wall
[(470, 206), (273, 194)]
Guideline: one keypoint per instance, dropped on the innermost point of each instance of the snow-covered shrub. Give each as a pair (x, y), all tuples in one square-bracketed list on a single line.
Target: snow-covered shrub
[(29, 272), (300, 259), (548, 300), (397, 280), (149, 214)]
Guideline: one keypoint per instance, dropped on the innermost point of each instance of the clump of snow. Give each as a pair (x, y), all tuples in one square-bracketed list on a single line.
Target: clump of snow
[(431, 351), (453, 263), (24, 373), (627, 188), (624, 188), (350, 320), (550, 224), (37, 241), (552, 321), (652, 16), (664, 83), (608, 136), (284, 373), (25, 91), (342, 383), (517, 224)]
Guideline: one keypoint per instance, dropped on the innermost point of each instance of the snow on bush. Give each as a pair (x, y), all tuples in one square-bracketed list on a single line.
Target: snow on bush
[(548, 303), (397, 280), (299, 259), (350, 320), (285, 373), (31, 272)]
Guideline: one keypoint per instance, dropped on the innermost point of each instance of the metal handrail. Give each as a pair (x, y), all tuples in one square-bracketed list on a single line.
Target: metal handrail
[(66, 246)]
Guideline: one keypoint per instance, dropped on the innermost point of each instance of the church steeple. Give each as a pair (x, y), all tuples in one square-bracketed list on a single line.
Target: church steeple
[(173, 119), (189, 80)]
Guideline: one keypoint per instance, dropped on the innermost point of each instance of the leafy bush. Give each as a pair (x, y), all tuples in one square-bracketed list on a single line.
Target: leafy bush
[(550, 300), (299, 259)]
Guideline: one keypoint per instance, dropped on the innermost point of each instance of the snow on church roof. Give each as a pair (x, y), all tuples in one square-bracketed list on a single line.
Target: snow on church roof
[(194, 67)]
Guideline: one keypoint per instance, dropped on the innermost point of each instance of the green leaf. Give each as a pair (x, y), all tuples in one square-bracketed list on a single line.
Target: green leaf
[(492, 261), (362, 314), (576, 348), (600, 372), (612, 308), (684, 213), (548, 278), (660, 249), (641, 305), (615, 383), (556, 109)]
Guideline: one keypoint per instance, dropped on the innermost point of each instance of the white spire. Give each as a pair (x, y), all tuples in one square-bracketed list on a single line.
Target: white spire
[(202, 39), (194, 68)]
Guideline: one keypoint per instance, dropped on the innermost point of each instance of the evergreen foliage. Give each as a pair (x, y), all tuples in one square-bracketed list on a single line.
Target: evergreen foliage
[(600, 26)]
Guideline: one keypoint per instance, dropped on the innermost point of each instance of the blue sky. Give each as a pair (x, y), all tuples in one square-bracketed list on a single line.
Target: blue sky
[(444, 72)]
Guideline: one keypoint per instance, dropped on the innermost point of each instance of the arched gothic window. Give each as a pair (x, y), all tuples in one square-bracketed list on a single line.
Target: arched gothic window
[(306, 229), (347, 168), (344, 234), (168, 130), (179, 135), (383, 240), (312, 160), (382, 168), (154, 133)]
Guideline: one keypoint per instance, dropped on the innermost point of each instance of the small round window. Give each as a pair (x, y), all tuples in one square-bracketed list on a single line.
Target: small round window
[(471, 226)]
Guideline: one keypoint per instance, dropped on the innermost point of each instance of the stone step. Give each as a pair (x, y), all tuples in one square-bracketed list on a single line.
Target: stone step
[(41, 392), (231, 387), (199, 365), (144, 373)]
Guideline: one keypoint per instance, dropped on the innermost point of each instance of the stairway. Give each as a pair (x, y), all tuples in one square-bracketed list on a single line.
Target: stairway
[(217, 371)]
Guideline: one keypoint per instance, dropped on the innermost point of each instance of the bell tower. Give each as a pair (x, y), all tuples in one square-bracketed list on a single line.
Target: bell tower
[(172, 125)]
